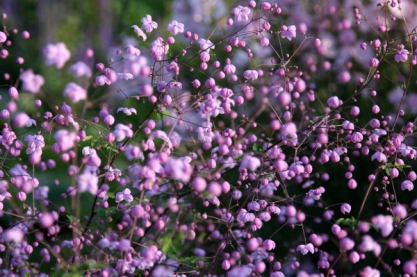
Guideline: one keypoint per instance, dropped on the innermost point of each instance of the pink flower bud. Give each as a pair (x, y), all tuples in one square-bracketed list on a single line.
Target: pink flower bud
[(373, 62), (46, 220), (13, 93), (412, 176), (375, 109), (109, 120), (347, 243), (266, 5), (210, 83), (252, 244), (354, 257), (226, 265), (215, 189), (137, 211), (355, 111), (146, 90), (37, 103), (260, 266), (345, 208), (264, 42), (199, 184), (376, 43), (333, 102)]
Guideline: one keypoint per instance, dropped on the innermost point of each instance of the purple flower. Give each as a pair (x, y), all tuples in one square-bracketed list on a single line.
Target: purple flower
[(401, 56), (245, 216), (56, 54), (205, 44), (21, 120), (407, 185), (13, 234), (127, 111), (269, 245), (35, 143), (139, 32), (373, 62), (74, 92), (333, 102), (354, 257), (251, 74), (148, 24), (384, 223), (347, 243), (65, 139), (175, 27), (241, 13), (88, 182), (124, 245), (41, 193), (126, 76), (80, 69), (379, 156), (124, 195), (31, 82), (249, 162), (264, 42), (93, 159), (122, 131), (304, 249), (229, 69), (369, 272), (288, 32), (132, 50), (101, 80), (178, 169), (159, 48), (3, 37), (345, 208)]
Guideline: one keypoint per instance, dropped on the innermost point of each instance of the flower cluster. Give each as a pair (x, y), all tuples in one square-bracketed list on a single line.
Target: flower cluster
[(270, 147)]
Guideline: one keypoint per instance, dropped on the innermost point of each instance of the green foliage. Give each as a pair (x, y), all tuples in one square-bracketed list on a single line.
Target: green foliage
[(257, 147), (352, 222), (390, 166), (172, 243), (78, 270)]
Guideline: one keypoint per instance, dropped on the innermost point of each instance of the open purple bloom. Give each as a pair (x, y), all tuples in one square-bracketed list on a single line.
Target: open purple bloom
[(148, 24), (88, 182), (56, 54), (289, 32), (31, 82), (139, 32), (125, 195), (175, 27), (75, 92), (241, 13), (401, 56)]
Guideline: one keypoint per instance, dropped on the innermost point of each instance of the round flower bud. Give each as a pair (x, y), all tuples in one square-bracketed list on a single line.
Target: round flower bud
[(199, 184)]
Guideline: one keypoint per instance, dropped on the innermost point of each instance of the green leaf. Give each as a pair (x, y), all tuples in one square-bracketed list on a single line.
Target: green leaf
[(110, 147), (165, 112), (257, 147), (88, 138), (172, 244), (71, 218), (191, 260), (351, 222)]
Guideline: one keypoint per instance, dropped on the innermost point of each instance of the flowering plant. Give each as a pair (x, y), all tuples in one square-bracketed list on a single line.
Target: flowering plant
[(264, 148)]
